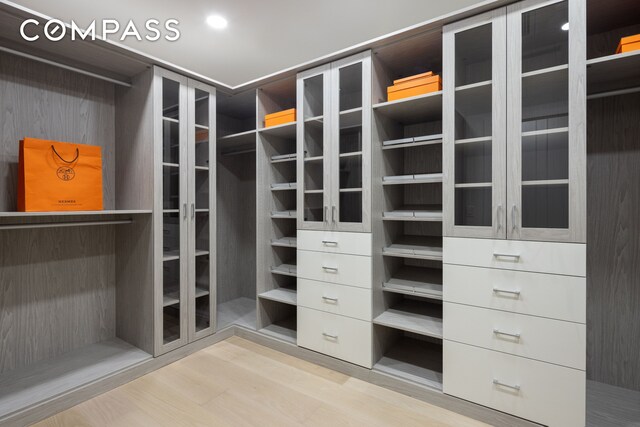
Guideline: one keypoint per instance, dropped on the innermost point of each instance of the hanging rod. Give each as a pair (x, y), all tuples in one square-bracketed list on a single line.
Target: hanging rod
[(63, 224), (614, 93), (63, 66)]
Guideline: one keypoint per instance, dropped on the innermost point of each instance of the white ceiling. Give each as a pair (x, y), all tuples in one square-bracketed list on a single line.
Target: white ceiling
[(263, 36)]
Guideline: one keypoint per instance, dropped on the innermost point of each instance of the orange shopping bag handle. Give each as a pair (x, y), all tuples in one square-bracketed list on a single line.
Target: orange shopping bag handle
[(60, 157)]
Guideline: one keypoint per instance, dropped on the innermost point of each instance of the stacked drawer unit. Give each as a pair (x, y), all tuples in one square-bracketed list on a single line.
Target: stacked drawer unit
[(515, 327), (334, 294)]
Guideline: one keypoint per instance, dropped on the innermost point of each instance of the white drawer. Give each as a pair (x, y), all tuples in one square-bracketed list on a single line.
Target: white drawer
[(335, 242), (547, 340), (537, 294), (542, 257), (352, 270), (338, 299), (337, 336), (547, 394)]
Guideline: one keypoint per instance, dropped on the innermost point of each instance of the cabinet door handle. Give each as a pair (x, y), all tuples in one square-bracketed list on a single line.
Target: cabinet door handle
[(331, 269), (508, 334), (333, 214), (329, 243), (515, 387), (330, 299), (326, 214), (193, 210), (507, 291), (499, 219), (503, 255), (184, 211), (330, 336), (513, 217)]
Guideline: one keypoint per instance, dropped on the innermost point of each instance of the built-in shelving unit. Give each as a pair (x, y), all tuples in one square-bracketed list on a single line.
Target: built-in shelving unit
[(407, 215), (277, 171)]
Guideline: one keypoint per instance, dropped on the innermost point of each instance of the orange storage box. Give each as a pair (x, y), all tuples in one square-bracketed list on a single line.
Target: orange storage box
[(280, 118), (628, 44), (419, 84)]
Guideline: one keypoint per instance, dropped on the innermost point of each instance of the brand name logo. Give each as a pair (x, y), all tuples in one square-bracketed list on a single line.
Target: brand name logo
[(55, 30), (66, 173)]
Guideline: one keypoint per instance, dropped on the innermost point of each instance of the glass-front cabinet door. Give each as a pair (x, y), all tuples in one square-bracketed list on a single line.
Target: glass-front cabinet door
[(171, 213), (351, 143), (202, 184), (474, 126), (313, 146), (546, 148)]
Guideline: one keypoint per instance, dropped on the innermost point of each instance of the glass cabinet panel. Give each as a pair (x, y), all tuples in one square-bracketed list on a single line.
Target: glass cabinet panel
[(171, 217)]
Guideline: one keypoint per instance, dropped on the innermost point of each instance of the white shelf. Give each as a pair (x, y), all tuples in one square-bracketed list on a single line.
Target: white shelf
[(286, 186), (412, 142), (417, 281), (417, 247), (474, 185), (201, 252), (613, 73), (283, 295), (284, 214), (424, 178), (420, 213), (473, 140), (285, 242), (45, 380), (171, 298), (171, 165), (313, 191), (201, 291), (351, 154), (544, 132), (282, 330), (543, 71), (416, 109), (313, 159), (171, 255), (125, 212), (170, 119), (286, 130), (203, 127), (292, 157), (474, 86), (238, 141), (351, 190), (413, 316), (285, 270)]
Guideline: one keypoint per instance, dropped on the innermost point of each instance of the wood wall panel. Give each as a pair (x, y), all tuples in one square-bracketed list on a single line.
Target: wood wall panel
[(613, 241), (42, 101), (57, 292)]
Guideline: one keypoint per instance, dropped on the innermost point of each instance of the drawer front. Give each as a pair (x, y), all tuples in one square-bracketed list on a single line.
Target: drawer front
[(542, 257), (548, 394), (335, 242), (352, 270), (547, 340), (537, 294), (338, 299), (337, 336)]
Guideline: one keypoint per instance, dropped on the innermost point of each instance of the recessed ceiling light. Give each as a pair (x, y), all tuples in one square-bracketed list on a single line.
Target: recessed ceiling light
[(217, 22), (565, 26)]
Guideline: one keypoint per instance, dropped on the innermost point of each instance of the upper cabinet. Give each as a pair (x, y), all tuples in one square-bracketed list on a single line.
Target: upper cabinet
[(334, 146), (514, 138)]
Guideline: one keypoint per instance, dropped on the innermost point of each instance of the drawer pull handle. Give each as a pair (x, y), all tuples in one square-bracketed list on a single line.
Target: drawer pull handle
[(334, 300), (506, 291), (503, 255), (329, 336), (499, 332), (331, 269), (329, 243), (515, 387)]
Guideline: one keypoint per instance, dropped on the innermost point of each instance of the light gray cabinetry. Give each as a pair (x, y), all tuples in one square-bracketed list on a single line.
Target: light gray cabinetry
[(334, 146)]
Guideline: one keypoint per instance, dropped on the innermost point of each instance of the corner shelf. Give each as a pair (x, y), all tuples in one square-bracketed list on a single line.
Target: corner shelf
[(413, 316), (283, 295), (286, 130), (416, 109), (238, 141)]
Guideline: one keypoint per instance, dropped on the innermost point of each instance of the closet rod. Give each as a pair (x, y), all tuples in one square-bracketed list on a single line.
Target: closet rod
[(614, 93), (66, 67), (62, 224), (233, 153)]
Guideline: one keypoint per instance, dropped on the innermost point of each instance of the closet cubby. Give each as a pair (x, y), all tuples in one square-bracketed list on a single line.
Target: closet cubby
[(278, 178), (407, 212), (608, 71), (236, 121)]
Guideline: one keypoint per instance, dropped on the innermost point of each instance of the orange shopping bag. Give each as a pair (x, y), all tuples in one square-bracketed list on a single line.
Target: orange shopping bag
[(59, 176)]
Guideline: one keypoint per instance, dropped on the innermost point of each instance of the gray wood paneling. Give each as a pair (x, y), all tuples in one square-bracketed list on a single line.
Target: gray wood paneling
[(613, 236), (57, 292), (41, 101)]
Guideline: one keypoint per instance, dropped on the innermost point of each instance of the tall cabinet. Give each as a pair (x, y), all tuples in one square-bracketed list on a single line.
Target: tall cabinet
[(184, 211), (514, 273), (334, 270)]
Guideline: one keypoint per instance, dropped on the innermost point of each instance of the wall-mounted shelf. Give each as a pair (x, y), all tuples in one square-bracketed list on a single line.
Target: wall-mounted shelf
[(413, 316), (416, 109), (286, 130), (283, 295)]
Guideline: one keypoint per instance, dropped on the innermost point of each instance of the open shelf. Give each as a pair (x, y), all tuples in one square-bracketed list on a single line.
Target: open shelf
[(285, 270), (414, 213), (416, 109), (284, 158), (414, 360), (283, 295), (413, 316), (240, 311), (98, 214), (613, 73), (42, 381), (424, 178), (418, 281), (236, 142), (284, 330), (291, 214), (284, 186), (286, 130), (30, 220), (285, 242), (412, 142), (171, 298), (419, 247)]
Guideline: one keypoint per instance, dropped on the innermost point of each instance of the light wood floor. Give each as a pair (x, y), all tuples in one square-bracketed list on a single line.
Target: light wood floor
[(240, 383)]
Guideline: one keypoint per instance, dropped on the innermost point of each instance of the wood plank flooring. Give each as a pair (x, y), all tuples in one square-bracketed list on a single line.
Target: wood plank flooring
[(240, 383)]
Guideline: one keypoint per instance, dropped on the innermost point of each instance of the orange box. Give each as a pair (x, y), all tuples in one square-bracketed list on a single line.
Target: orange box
[(280, 118), (419, 84), (628, 44)]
